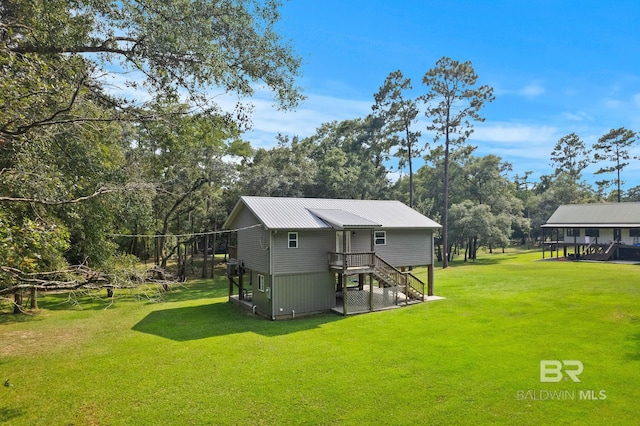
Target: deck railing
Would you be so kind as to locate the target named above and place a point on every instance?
(408, 283)
(352, 260)
(406, 280)
(394, 286)
(390, 273)
(417, 284)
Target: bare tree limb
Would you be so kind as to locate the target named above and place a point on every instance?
(81, 277)
(97, 193)
(100, 191)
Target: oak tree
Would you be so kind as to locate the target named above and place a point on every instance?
(55, 52)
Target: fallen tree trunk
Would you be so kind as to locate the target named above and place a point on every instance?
(75, 278)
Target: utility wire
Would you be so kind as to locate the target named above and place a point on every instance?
(193, 234)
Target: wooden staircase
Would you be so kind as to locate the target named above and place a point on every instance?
(389, 276)
(599, 252)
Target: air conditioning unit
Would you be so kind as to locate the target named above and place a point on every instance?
(232, 269)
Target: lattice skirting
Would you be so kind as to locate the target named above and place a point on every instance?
(360, 300)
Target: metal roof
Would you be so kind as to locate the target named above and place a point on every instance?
(341, 219)
(320, 213)
(604, 215)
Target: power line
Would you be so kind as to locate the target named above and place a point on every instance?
(192, 234)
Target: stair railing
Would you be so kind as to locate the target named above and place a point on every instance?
(405, 280)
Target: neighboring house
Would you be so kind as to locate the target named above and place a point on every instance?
(296, 256)
(595, 231)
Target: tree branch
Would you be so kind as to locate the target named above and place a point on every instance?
(57, 202)
(104, 47)
(100, 191)
(80, 276)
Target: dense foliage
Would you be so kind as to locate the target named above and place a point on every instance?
(87, 173)
(109, 125)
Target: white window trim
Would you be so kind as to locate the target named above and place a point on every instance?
(383, 237)
(289, 240)
(260, 282)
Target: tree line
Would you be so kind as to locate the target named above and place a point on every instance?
(109, 126)
(94, 181)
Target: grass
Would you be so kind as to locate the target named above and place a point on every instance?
(196, 359)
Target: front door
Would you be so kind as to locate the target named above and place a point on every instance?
(617, 234)
(343, 245)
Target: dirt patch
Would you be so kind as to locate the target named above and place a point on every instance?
(623, 317)
(21, 342)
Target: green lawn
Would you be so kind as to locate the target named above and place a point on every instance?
(196, 359)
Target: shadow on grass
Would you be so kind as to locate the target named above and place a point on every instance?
(95, 300)
(221, 319)
(11, 318)
(7, 414)
(79, 301)
(635, 354)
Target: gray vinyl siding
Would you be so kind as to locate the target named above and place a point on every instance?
(361, 241)
(259, 298)
(303, 293)
(310, 256)
(407, 247)
(253, 243)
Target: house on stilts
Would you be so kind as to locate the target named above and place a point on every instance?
(296, 256)
(605, 231)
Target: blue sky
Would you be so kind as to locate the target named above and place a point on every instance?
(556, 67)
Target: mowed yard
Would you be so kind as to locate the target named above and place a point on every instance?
(473, 358)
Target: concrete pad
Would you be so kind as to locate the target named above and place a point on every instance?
(433, 298)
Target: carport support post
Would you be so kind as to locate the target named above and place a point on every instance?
(430, 280)
(344, 293)
(344, 270)
(373, 265)
(370, 291)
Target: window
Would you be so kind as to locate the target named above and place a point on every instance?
(592, 232)
(634, 232)
(380, 238)
(573, 232)
(293, 240)
(260, 282)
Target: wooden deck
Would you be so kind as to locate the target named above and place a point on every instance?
(581, 250)
(352, 263)
(401, 300)
(600, 251)
(353, 270)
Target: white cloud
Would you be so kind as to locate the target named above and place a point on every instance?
(311, 114)
(267, 120)
(531, 90)
(509, 132)
(316, 110)
(577, 116)
(526, 146)
(613, 103)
